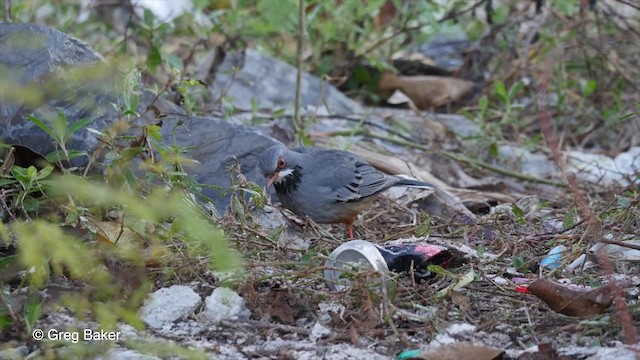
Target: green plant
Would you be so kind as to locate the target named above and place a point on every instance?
(31, 182)
(61, 131)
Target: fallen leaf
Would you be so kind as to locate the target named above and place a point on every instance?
(425, 91)
(386, 14)
(113, 232)
(282, 306)
(570, 301)
(462, 301)
(463, 281)
(460, 351)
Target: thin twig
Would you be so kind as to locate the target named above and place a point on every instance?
(629, 3)
(7, 11)
(297, 121)
(620, 243)
(5, 206)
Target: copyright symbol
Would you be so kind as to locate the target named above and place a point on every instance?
(37, 334)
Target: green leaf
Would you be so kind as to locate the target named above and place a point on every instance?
(174, 62)
(305, 139)
(493, 150)
(31, 204)
(515, 89)
(42, 126)
(32, 312)
(20, 174)
(588, 87)
(60, 126)
(624, 202)
(518, 263)
(72, 154)
(80, 124)
(153, 131)
(32, 172)
(465, 280)
(277, 114)
(5, 182)
(46, 171)
(164, 28)
(437, 269)
(501, 91)
(626, 116)
(8, 260)
(148, 18)
(569, 218)
(424, 230)
(484, 105)
(518, 213)
(154, 59)
(275, 234)
(480, 250)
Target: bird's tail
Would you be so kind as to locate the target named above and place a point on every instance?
(411, 182)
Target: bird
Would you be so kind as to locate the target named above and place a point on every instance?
(326, 185)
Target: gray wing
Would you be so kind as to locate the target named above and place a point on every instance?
(346, 175)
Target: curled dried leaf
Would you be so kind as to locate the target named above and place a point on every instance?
(570, 301)
(460, 351)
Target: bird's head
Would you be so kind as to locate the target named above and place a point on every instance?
(277, 164)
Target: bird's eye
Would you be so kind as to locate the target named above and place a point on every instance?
(281, 163)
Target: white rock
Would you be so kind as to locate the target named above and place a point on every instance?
(125, 354)
(167, 305)
(228, 352)
(328, 307)
(346, 351)
(271, 218)
(527, 162)
(19, 352)
(224, 303)
(619, 352)
(318, 331)
(603, 169)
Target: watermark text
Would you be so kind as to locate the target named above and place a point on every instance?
(75, 336)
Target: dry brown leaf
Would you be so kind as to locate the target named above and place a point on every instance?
(461, 351)
(112, 232)
(386, 14)
(425, 91)
(282, 307)
(463, 302)
(572, 302)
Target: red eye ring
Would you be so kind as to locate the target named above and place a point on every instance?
(281, 163)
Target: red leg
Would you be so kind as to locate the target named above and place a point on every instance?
(350, 230)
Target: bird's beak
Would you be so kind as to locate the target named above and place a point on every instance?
(271, 179)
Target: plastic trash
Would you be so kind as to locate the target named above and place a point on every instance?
(554, 257)
(364, 255)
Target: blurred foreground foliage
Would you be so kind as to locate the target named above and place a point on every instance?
(96, 239)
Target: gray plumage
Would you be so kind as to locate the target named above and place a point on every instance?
(328, 186)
